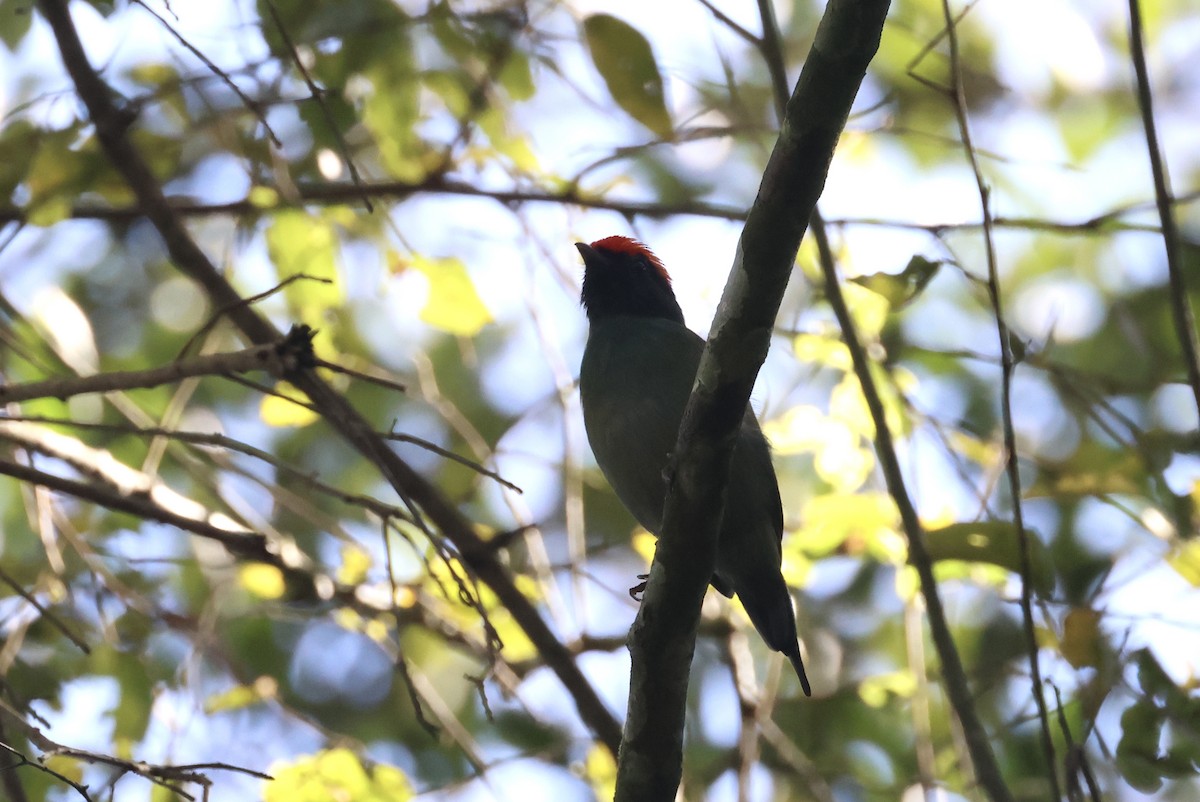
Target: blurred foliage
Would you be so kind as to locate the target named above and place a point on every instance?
(489, 136)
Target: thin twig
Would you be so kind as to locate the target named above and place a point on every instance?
(216, 317)
(213, 440)
(81, 789)
(450, 455)
(370, 378)
(46, 614)
(978, 742)
(318, 94)
(729, 23)
(1181, 307)
(1007, 367)
(254, 106)
(274, 359)
(242, 543)
(332, 193)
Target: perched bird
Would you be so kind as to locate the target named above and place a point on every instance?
(637, 373)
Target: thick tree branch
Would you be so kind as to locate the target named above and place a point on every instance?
(111, 128)
(663, 637)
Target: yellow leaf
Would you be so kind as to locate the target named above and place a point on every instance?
(827, 351)
(263, 197)
(355, 563)
(841, 458)
(376, 630)
(1186, 561)
(264, 581)
(49, 212)
(336, 774)
(600, 768)
(68, 767)
(277, 411)
(644, 544)
(875, 690)
(453, 305)
(850, 523)
(242, 696)
(869, 310)
(1081, 637)
(304, 244)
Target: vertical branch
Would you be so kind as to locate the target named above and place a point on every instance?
(1007, 367)
(952, 670)
(663, 638)
(1181, 308)
(955, 678)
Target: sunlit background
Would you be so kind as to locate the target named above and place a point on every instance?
(472, 302)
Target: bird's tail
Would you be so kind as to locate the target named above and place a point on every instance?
(769, 606)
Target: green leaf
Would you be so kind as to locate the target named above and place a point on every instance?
(453, 304)
(901, 288)
(1137, 751)
(516, 77)
(994, 543)
(14, 23)
(626, 63)
(303, 244)
(1186, 562)
(336, 774)
(391, 114)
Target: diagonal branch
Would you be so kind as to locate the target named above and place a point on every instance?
(277, 359)
(953, 674)
(663, 637)
(1185, 321)
(111, 129)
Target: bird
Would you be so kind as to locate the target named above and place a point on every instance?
(637, 372)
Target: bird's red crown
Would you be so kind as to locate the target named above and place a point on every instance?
(630, 246)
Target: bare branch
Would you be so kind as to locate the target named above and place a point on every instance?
(1185, 321)
(238, 542)
(336, 193)
(318, 95)
(252, 105)
(37, 605)
(278, 359)
(955, 678)
(1007, 368)
(417, 493)
(663, 637)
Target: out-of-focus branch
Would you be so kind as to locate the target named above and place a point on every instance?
(663, 637)
(337, 193)
(955, 678)
(170, 777)
(1007, 368)
(277, 359)
(244, 544)
(1185, 321)
(111, 130)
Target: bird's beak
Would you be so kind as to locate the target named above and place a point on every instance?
(587, 252)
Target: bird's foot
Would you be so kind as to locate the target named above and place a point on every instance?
(636, 591)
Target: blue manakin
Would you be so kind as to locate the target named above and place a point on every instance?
(637, 374)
